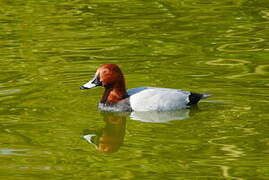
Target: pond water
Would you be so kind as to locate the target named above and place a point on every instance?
(50, 129)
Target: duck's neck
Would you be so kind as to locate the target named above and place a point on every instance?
(114, 94)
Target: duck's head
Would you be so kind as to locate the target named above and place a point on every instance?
(108, 76)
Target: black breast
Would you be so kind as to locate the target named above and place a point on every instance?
(122, 106)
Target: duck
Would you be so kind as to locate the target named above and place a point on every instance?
(117, 99)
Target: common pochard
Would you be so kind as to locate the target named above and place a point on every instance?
(116, 98)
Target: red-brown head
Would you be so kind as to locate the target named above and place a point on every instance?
(110, 77)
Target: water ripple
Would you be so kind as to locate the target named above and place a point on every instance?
(232, 151)
(265, 14)
(243, 34)
(10, 91)
(13, 152)
(228, 62)
(259, 70)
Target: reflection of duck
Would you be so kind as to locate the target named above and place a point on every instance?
(110, 138)
(159, 117)
(116, 98)
(163, 116)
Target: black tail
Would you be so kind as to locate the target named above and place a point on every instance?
(194, 98)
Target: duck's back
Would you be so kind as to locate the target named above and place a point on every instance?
(157, 99)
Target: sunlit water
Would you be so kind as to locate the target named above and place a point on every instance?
(50, 129)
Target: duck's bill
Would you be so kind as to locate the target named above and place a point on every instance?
(88, 85)
(92, 83)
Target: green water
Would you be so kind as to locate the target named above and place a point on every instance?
(49, 48)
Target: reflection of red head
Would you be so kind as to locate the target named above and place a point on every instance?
(113, 134)
(109, 144)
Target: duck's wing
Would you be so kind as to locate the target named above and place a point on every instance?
(133, 91)
(139, 89)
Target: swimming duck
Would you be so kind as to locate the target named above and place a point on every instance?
(116, 98)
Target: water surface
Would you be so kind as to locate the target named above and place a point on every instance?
(49, 48)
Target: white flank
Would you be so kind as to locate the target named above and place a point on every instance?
(159, 99)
